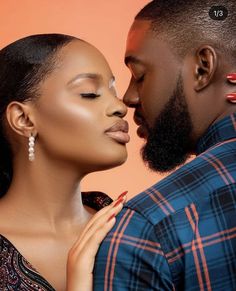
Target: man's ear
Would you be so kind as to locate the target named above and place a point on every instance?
(20, 118)
(205, 66)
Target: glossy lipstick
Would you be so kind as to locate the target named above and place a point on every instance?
(119, 132)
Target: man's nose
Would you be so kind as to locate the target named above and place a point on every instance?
(131, 98)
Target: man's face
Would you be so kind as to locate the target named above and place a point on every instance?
(157, 94)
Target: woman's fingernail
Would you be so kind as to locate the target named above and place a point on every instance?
(231, 97)
(119, 201)
(111, 217)
(231, 77)
(122, 194)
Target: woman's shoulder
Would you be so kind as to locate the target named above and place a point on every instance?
(96, 199)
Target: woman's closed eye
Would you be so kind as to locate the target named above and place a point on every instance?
(89, 95)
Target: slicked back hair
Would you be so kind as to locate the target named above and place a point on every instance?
(24, 64)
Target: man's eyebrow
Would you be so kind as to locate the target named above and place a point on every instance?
(131, 59)
(92, 76)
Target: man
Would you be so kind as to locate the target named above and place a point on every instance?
(179, 234)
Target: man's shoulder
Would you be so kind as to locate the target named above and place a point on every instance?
(191, 183)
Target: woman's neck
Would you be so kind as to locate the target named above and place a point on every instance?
(47, 193)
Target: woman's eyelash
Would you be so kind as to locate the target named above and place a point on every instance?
(90, 95)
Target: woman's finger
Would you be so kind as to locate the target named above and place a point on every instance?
(103, 212)
(83, 255)
(80, 263)
(96, 224)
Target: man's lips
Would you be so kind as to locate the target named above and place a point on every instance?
(138, 119)
(142, 129)
(119, 131)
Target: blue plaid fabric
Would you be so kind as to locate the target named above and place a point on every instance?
(179, 234)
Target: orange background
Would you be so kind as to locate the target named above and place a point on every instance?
(104, 23)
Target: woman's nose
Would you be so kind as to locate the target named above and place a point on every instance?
(117, 108)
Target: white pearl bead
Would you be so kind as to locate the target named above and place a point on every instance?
(31, 150)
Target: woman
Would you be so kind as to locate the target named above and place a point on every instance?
(60, 120)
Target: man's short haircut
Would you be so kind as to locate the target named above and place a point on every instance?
(185, 24)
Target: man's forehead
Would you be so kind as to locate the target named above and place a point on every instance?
(138, 32)
(137, 37)
(141, 42)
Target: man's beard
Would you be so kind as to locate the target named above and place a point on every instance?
(169, 141)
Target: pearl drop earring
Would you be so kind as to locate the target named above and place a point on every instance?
(31, 148)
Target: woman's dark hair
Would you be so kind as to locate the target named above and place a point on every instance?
(23, 65)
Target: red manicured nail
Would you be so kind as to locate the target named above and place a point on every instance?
(231, 96)
(111, 217)
(231, 76)
(118, 202)
(122, 194)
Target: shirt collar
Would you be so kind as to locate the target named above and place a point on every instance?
(219, 131)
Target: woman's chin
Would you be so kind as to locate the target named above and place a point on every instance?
(118, 162)
(113, 162)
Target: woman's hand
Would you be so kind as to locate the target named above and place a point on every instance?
(81, 256)
(232, 96)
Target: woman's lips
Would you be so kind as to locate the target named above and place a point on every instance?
(119, 136)
(119, 132)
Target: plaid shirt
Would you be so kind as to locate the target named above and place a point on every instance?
(179, 234)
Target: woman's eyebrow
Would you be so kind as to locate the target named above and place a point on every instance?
(93, 76)
(112, 82)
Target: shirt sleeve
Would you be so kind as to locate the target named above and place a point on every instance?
(131, 258)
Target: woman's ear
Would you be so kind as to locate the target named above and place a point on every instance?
(205, 66)
(20, 118)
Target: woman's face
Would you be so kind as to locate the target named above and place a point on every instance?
(78, 116)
